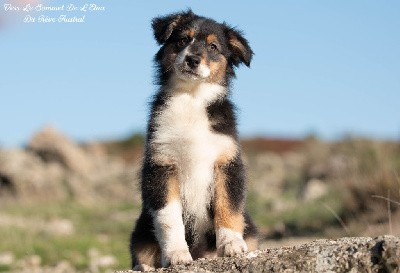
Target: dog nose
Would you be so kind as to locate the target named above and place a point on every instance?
(193, 61)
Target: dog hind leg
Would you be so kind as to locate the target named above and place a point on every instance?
(145, 251)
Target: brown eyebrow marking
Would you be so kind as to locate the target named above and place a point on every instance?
(212, 38)
(190, 32)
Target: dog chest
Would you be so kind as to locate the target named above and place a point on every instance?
(184, 137)
(183, 132)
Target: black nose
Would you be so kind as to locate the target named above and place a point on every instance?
(192, 61)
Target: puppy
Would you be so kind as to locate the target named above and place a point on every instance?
(193, 179)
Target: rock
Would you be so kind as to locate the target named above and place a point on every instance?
(98, 261)
(314, 189)
(61, 267)
(33, 261)
(52, 146)
(55, 168)
(61, 227)
(27, 177)
(358, 254)
(6, 258)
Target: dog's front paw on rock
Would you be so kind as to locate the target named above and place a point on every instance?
(232, 248)
(177, 257)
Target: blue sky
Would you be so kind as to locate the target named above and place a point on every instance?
(325, 67)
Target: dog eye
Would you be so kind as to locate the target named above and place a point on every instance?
(213, 47)
(183, 41)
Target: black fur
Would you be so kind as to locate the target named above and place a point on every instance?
(167, 32)
(222, 117)
(236, 183)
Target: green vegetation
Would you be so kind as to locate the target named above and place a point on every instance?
(105, 229)
(300, 218)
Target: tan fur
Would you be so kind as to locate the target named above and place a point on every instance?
(203, 59)
(148, 254)
(218, 70)
(225, 216)
(237, 45)
(252, 243)
(190, 32)
(173, 188)
(212, 38)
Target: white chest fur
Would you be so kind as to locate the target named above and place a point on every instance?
(184, 137)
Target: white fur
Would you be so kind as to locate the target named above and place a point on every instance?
(170, 233)
(184, 138)
(203, 70)
(229, 242)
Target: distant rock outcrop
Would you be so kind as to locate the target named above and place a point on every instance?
(53, 167)
(357, 254)
(52, 146)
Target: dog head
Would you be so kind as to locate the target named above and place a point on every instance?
(198, 49)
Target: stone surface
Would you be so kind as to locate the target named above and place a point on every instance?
(357, 254)
(52, 146)
(53, 167)
(314, 189)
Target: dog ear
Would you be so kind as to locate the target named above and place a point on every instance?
(241, 51)
(165, 25)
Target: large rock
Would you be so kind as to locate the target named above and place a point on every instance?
(24, 175)
(359, 254)
(52, 146)
(53, 167)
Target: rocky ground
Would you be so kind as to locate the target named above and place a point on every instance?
(357, 254)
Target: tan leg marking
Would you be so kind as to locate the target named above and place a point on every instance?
(173, 187)
(148, 255)
(224, 215)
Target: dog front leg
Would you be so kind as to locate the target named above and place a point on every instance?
(229, 203)
(169, 227)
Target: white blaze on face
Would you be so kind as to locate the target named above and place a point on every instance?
(202, 70)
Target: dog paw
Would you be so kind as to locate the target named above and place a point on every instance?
(177, 257)
(232, 248)
(143, 267)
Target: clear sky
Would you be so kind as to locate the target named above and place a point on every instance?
(325, 67)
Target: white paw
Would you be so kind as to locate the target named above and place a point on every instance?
(176, 257)
(143, 267)
(232, 248)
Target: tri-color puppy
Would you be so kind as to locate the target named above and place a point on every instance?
(193, 179)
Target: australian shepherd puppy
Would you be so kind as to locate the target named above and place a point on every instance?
(193, 179)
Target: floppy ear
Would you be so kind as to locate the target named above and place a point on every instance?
(241, 51)
(165, 25)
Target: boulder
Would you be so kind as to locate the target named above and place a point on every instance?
(357, 254)
(24, 175)
(52, 146)
(314, 190)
